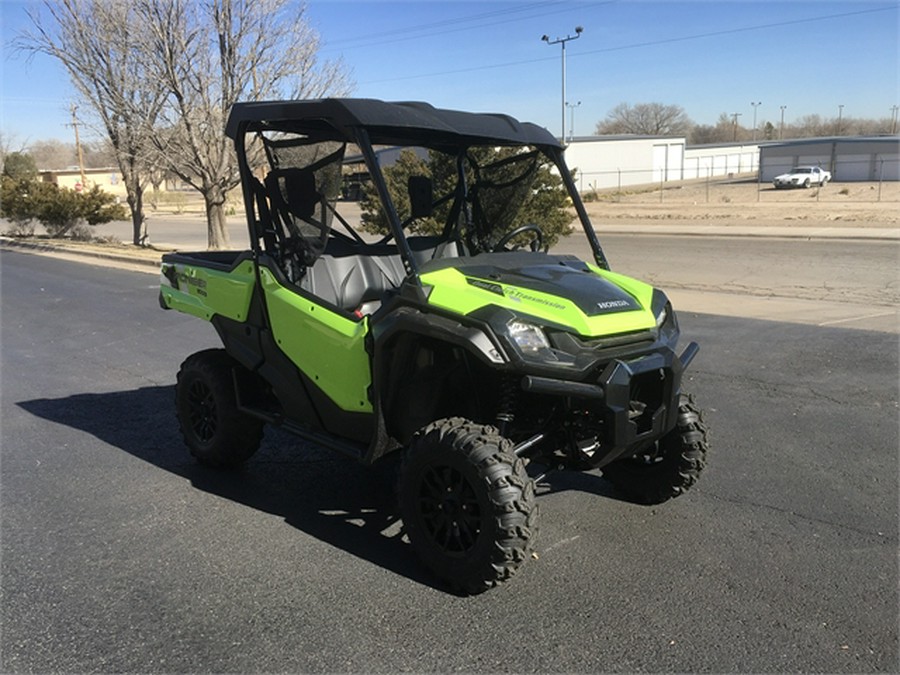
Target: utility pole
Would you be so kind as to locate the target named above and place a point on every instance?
(734, 117)
(563, 41)
(894, 110)
(755, 106)
(840, 117)
(781, 128)
(78, 148)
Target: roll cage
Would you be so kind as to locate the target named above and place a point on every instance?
(290, 154)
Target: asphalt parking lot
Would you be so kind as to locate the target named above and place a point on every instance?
(121, 554)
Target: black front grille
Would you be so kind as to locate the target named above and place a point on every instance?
(630, 343)
(646, 394)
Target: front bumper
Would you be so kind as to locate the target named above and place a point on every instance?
(642, 399)
(635, 401)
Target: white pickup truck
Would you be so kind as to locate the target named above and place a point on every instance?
(802, 176)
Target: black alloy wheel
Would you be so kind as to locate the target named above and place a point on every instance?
(468, 506)
(215, 430)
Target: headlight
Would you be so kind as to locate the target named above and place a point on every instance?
(662, 316)
(530, 340)
(666, 321)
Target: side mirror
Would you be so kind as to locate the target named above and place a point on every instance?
(421, 196)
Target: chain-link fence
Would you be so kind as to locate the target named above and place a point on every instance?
(853, 181)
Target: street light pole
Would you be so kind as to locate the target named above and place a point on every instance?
(781, 128)
(755, 106)
(563, 41)
(571, 107)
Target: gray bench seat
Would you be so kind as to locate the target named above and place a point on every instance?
(356, 276)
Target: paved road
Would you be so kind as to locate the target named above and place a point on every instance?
(855, 282)
(120, 554)
(824, 282)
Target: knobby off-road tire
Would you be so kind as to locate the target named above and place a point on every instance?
(214, 430)
(672, 466)
(468, 506)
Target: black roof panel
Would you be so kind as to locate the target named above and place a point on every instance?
(387, 123)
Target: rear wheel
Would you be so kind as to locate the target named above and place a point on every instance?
(216, 432)
(672, 466)
(468, 506)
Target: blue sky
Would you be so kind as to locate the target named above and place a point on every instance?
(709, 57)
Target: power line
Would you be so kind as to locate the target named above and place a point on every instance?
(636, 45)
(405, 31)
(731, 31)
(376, 40)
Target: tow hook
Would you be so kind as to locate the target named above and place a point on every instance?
(688, 354)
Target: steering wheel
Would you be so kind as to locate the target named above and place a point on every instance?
(536, 243)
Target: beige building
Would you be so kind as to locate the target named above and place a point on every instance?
(108, 179)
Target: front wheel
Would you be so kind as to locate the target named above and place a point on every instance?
(468, 506)
(215, 431)
(673, 463)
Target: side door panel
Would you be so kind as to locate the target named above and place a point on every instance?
(327, 347)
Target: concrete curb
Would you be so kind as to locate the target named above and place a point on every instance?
(52, 247)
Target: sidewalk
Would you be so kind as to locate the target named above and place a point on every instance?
(687, 228)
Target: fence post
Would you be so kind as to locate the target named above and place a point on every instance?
(880, 177)
(662, 180)
(708, 177)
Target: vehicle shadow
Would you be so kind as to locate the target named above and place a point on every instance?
(589, 482)
(319, 492)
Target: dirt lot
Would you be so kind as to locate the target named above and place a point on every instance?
(749, 203)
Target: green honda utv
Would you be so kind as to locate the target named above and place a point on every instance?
(453, 337)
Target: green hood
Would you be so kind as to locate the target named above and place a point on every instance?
(557, 290)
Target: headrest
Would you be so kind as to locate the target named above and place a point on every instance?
(297, 188)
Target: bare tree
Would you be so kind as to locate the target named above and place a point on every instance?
(725, 130)
(809, 126)
(8, 145)
(653, 119)
(210, 54)
(94, 40)
(53, 154)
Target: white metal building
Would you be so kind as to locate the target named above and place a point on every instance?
(720, 159)
(618, 161)
(604, 162)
